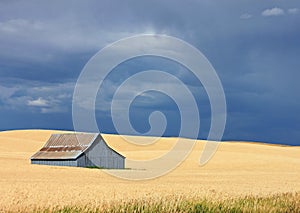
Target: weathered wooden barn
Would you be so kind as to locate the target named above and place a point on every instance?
(78, 149)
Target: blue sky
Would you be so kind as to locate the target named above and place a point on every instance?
(254, 47)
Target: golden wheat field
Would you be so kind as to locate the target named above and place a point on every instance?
(237, 169)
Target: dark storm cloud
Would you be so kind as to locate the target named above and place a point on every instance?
(253, 45)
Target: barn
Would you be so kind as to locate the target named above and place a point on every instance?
(80, 150)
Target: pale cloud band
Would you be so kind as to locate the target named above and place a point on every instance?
(273, 12)
(293, 11)
(276, 11)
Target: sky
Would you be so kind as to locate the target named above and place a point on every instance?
(253, 45)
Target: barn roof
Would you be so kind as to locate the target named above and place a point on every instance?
(66, 146)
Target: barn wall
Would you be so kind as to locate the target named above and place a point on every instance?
(55, 162)
(84, 161)
(101, 155)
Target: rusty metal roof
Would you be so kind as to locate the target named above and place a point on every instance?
(65, 146)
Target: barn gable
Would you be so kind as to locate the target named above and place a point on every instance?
(78, 149)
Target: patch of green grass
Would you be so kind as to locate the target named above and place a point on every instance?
(289, 202)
